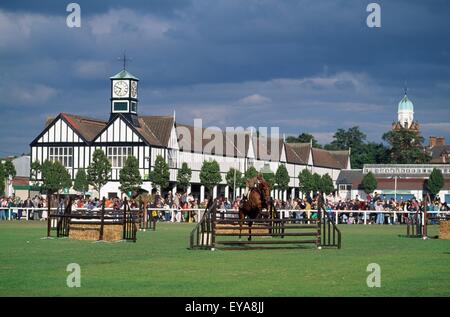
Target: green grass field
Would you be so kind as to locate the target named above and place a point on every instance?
(160, 264)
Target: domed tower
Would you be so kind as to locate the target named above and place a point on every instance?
(405, 115)
(405, 112)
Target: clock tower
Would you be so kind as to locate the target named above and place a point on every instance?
(124, 96)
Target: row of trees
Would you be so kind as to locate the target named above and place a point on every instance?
(55, 176)
(404, 146)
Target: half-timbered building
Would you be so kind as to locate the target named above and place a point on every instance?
(71, 139)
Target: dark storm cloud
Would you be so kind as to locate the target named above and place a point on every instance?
(306, 65)
(89, 7)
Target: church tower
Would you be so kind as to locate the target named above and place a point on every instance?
(405, 115)
(124, 96)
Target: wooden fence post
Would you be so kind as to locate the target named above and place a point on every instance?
(213, 226)
(102, 223)
(125, 218)
(319, 219)
(48, 216)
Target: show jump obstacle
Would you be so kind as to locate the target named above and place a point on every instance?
(94, 225)
(417, 223)
(222, 230)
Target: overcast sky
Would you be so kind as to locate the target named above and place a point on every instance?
(302, 65)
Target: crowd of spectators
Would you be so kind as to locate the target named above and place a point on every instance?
(186, 207)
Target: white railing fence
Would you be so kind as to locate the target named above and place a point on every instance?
(7, 213)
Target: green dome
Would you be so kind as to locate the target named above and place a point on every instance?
(124, 75)
(405, 105)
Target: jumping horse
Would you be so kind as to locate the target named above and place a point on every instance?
(254, 202)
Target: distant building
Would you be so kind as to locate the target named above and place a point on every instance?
(401, 181)
(438, 150)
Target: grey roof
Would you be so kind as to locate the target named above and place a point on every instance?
(124, 74)
(437, 151)
(350, 177)
(330, 159)
(298, 153)
(156, 131)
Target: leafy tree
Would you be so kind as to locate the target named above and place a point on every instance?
(405, 147)
(316, 183)
(282, 178)
(269, 177)
(99, 170)
(210, 174)
(130, 177)
(35, 168)
(250, 173)
(230, 178)
(305, 181)
(435, 182)
(326, 184)
(160, 175)
(369, 183)
(10, 170)
(81, 183)
(370, 153)
(2, 179)
(361, 152)
(345, 139)
(304, 138)
(7, 170)
(184, 177)
(55, 177)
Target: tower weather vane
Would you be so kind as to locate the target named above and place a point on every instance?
(124, 59)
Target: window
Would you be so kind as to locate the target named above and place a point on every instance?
(133, 107)
(172, 158)
(345, 187)
(117, 155)
(120, 106)
(64, 155)
(251, 162)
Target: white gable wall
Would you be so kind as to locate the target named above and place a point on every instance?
(60, 132)
(118, 131)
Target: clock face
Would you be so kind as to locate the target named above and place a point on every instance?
(133, 89)
(120, 88)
